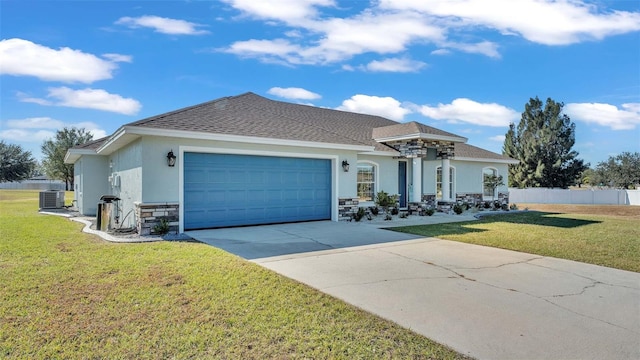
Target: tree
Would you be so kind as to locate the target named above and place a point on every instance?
(621, 171)
(54, 152)
(492, 182)
(15, 163)
(542, 142)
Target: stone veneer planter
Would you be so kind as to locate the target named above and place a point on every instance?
(347, 208)
(150, 215)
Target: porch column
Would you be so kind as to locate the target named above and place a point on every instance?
(445, 180)
(416, 196)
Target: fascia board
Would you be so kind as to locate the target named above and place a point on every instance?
(379, 153)
(243, 139)
(423, 136)
(73, 155)
(501, 161)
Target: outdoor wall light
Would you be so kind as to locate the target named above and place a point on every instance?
(171, 159)
(345, 166)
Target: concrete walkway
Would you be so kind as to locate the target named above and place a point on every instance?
(484, 302)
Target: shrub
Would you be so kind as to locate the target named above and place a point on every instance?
(513, 207)
(374, 210)
(395, 211)
(385, 200)
(487, 204)
(458, 209)
(359, 214)
(162, 227)
(505, 207)
(403, 215)
(429, 211)
(388, 217)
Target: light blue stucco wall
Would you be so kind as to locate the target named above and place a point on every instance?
(138, 172)
(160, 182)
(468, 175)
(90, 182)
(386, 177)
(125, 175)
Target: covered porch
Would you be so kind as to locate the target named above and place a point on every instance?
(417, 142)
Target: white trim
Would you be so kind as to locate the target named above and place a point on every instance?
(391, 153)
(376, 177)
(498, 161)
(135, 132)
(422, 136)
(209, 150)
(453, 182)
(73, 155)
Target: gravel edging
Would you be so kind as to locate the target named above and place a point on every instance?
(125, 238)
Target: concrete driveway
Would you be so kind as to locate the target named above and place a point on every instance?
(484, 302)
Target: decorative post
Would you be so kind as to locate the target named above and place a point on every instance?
(417, 179)
(445, 179)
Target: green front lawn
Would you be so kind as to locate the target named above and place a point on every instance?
(612, 241)
(66, 294)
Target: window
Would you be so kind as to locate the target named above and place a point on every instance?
(452, 172)
(488, 191)
(366, 181)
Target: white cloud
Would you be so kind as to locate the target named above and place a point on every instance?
(607, 115)
(35, 123)
(486, 48)
(395, 65)
(162, 25)
(288, 11)
(267, 50)
(472, 112)
(386, 33)
(335, 39)
(23, 135)
(387, 107)
(118, 57)
(546, 22)
(38, 129)
(498, 138)
(441, 52)
(87, 99)
(393, 26)
(20, 57)
(293, 93)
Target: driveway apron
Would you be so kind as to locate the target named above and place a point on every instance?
(484, 302)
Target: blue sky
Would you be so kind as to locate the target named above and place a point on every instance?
(463, 66)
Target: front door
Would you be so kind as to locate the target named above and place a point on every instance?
(402, 183)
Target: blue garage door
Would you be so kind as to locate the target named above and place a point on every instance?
(223, 190)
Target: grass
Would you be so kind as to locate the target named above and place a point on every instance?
(601, 235)
(67, 294)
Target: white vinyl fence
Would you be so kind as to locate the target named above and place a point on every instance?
(34, 185)
(565, 196)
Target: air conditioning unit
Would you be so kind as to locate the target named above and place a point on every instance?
(51, 199)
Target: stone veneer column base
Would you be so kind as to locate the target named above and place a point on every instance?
(150, 215)
(347, 208)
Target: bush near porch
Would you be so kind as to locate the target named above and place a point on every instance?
(69, 295)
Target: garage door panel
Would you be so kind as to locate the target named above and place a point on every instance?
(230, 190)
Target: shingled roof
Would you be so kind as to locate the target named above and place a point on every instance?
(411, 128)
(466, 151)
(252, 115)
